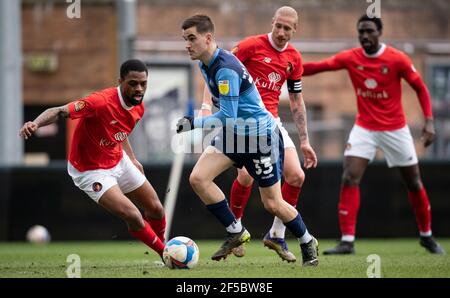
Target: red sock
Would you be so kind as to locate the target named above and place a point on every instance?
(239, 197)
(348, 209)
(159, 226)
(290, 193)
(421, 205)
(148, 236)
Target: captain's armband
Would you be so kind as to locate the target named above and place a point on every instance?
(294, 86)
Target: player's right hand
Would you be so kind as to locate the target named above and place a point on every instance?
(309, 155)
(185, 124)
(28, 129)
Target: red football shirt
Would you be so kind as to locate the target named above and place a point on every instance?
(377, 83)
(105, 123)
(269, 67)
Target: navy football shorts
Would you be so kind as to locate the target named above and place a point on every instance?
(262, 156)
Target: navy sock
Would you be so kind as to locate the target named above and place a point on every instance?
(296, 226)
(222, 212)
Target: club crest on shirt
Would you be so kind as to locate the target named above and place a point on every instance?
(371, 83)
(348, 147)
(384, 69)
(224, 87)
(97, 186)
(289, 67)
(79, 105)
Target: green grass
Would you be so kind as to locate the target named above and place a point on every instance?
(399, 258)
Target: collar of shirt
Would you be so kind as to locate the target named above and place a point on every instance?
(122, 102)
(216, 53)
(378, 53)
(269, 35)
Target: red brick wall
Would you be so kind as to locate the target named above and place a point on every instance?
(86, 50)
(319, 19)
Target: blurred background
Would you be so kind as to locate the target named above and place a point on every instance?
(53, 52)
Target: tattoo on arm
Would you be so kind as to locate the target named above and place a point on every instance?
(299, 114)
(51, 115)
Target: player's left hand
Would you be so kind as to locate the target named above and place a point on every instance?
(309, 155)
(428, 133)
(138, 165)
(185, 124)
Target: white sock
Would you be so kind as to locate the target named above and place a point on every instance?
(278, 228)
(235, 227)
(425, 234)
(305, 238)
(348, 238)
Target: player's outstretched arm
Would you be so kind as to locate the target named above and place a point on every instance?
(336, 62)
(299, 114)
(311, 68)
(47, 117)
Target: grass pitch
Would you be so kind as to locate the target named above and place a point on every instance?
(399, 258)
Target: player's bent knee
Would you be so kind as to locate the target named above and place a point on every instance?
(295, 179)
(245, 179)
(197, 181)
(271, 206)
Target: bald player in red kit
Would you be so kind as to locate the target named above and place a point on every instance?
(101, 161)
(376, 71)
(271, 61)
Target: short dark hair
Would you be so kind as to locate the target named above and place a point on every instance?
(202, 23)
(132, 65)
(375, 20)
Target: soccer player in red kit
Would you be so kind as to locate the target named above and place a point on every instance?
(101, 160)
(271, 61)
(376, 70)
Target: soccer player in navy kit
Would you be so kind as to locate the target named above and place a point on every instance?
(272, 61)
(249, 138)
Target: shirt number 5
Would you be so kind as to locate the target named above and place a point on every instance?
(263, 166)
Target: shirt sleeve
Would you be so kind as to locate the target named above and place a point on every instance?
(244, 49)
(297, 68)
(228, 82)
(86, 107)
(335, 62)
(410, 74)
(294, 80)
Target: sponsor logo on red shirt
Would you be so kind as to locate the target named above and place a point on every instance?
(273, 77)
(120, 136)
